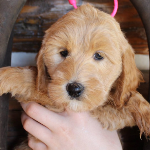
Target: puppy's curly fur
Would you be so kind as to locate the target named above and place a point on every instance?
(110, 82)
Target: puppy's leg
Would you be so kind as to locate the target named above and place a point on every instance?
(112, 118)
(140, 111)
(17, 81)
(135, 112)
(21, 83)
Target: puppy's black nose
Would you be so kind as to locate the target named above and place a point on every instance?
(74, 89)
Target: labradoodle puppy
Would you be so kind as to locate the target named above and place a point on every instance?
(85, 64)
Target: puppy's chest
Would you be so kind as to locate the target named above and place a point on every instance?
(113, 119)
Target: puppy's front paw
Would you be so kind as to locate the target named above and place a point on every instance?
(5, 75)
(140, 110)
(17, 80)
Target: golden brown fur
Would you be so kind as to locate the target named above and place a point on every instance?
(110, 84)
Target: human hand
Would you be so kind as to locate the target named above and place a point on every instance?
(67, 130)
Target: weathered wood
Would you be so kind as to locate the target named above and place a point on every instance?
(7, 20)
(37, 16)
(137, 38)
(5, 61)
(24, 43)
(15, 130)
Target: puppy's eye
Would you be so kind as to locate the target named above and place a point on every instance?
(64, 53)
(97, 56)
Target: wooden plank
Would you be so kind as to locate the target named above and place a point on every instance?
(137, 38)
(15, 130)
(37, 16)
(127, 15)
(26, 42)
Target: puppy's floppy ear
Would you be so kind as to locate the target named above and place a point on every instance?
(125, 95)
(129, 78)
(41, 81)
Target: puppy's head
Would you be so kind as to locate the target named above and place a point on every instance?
(83, 57)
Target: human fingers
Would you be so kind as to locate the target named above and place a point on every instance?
(41, 114)
(36, 129)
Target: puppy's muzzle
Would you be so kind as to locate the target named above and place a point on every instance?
(74, 89)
